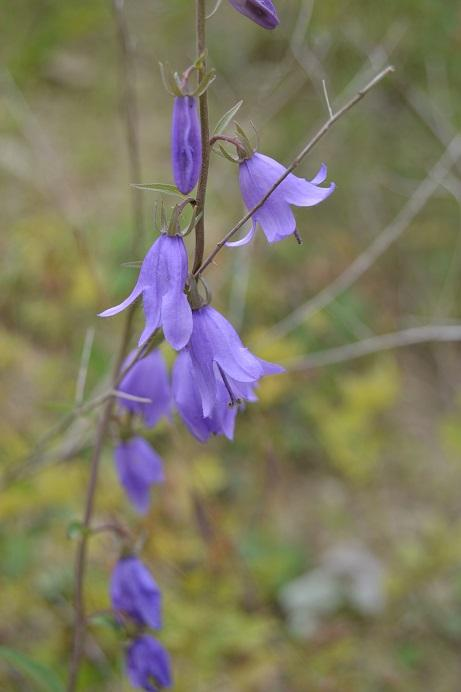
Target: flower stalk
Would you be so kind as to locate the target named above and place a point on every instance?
(200, 27)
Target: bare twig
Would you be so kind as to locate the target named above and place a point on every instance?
(295, 163)
(327, 100)
(375, 344)
(84, 363)
(383, 241)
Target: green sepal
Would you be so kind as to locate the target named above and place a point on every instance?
(226, 155)
(246, 144)
(223, 122)
(169, 80)
(205, 83)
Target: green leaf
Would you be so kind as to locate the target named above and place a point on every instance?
(41, 675)
(226, 119)
(160, 187)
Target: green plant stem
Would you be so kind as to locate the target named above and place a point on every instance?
(205, 135)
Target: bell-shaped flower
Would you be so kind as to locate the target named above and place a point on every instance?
(186, 144)
(257, 175)
(220, 421)
(138, 467)
(262, 12)
(161, 283)
(217, 356)
(147, 379)
(148, 664)
(135, 594)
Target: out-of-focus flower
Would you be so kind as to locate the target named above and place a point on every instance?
(186, 143)
(138, 467)
(221, 420)
(257, 175)
(148, 664)
(135, 594)
(217, 356)
(161, 283)
(262, 12)
(147, 379)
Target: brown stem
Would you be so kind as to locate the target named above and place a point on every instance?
(205, 134)
(130, 117)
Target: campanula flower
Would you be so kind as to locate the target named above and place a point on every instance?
(221, 420)
(138, 467)
(161, 283)
(262, 12)
(148, 664)
(186, 144)
(257, 175)
(135, 594)
(147, 379)
(217, 356)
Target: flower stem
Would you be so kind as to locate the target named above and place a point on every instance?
(205, 135)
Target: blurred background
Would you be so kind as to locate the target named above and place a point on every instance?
(322, 549)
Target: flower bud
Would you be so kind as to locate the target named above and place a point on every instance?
(262, 12)
(186, 145)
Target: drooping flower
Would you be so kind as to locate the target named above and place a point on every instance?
(262, 12)
(135, 594)
(186, 143)
(257, 175)
(161, 283)
(138, 467)
(147, 379)
(148, 664)
(221, 420)
(217, 356)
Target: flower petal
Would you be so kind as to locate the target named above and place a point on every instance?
(176, 311)
(145, 279)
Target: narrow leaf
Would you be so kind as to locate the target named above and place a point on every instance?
(45, 678)
(159, 187)
(226, 119)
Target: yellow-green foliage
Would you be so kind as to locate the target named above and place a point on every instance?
(350, 422)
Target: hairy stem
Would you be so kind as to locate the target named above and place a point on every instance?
(205, 134)
(294, 164)
(130, 118)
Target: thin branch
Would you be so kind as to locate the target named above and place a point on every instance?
(327, 100)
(84, 363)
(382, 242)
(295, 163)
(205, 135)
(375, 344)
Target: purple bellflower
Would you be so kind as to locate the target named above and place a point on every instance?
(257, 175)
(221, 420)
(217, 356)
(148, 664)
(262, 12)
(138, 467)
(161, 283)
(186, 144)
(135, 594)
(148, 379)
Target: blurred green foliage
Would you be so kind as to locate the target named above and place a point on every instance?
(366, 450)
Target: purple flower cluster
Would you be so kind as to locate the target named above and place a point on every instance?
(214, 374)
(136, 597)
